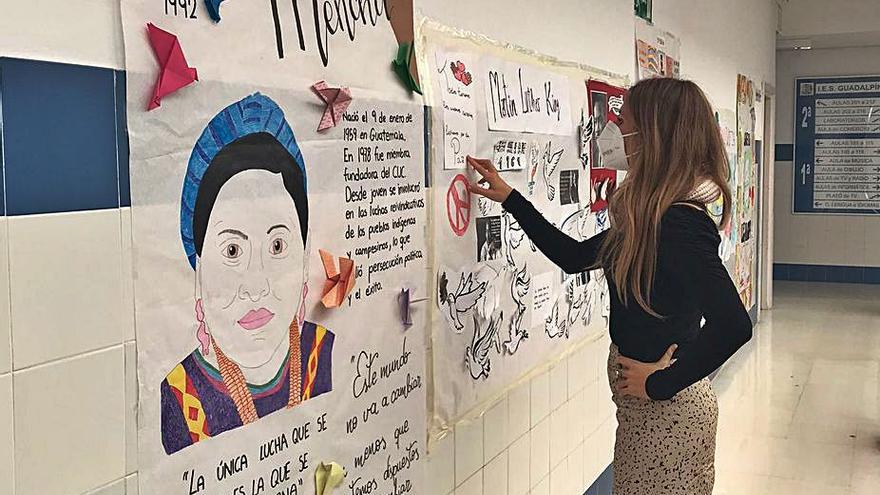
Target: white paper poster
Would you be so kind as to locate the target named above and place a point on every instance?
(459, 107)
(501, 307)
(271, 258)
(510, 154)
(658, 52)
(525, 98)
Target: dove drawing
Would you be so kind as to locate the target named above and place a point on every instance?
(551, 162)
(462, 300)
(476, 355)
(519, 288)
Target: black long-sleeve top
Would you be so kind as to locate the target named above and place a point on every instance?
(690, 283)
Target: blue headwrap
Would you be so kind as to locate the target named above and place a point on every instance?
(253, 114)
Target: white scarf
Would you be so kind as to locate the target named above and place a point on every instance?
(705, 192)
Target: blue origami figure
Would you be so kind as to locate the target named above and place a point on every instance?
(213, 7)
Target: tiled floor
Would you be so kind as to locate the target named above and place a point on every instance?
(800, 406)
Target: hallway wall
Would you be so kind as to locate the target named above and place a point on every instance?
(68, 384)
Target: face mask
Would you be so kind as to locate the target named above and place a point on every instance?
(610, 143)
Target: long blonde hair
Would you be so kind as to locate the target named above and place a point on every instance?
(679, 145)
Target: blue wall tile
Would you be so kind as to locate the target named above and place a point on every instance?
(872, 275)
(603, 484)
(122, 141)
(2, 184)
(780, 271)
(826, 273)
(60, 137)
(817, 273)
(837, 274)
(800, 273)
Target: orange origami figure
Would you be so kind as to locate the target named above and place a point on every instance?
(340, 279)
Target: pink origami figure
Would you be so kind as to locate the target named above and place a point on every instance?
(174, 73)
(336, 100)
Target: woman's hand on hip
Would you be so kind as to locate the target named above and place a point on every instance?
(496, 188)
(632, 375)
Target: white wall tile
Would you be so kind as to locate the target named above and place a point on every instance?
(468, 449)
(495, 430)
(590, 412)
(518, 460)
(471, 486)
(115, 488)
(131, 408)
(606, 441)
(559, 478)
(540, 398)
(441, 466)
(600, 351)
(42, 31)
(590, 356)
(495, 476)
(542, 487)
(131, 484)
(539, 462)
(559, 432)
(558, 385)
(577, 413)
(7, 456)
(592, 465)
(518, 407)
(70, 421)
(577, 376)
(576, 469)
(66, 284)
(5, 328)
(127, 274)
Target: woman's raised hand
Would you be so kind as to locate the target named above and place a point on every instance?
(496, 189)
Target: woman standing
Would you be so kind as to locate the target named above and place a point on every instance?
(664, 274)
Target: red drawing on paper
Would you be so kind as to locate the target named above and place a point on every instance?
(458, 205)
(603, 182)
(460, 72)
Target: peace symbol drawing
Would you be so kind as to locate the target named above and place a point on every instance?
(458, 205)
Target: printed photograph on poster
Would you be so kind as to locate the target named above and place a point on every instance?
(657, 52)
(510, 155)
(605, 103)
(568, 187)
(599, 106)
(488, 238)
(526, 98)
(459, 107)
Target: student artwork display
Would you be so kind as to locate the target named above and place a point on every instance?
(746, 185)
(729, 236)
(657, 51)
(502, 308)
(278, 214)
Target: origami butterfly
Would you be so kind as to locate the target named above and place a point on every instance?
(460, 73)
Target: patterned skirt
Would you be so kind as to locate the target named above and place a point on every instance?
(665, 447)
